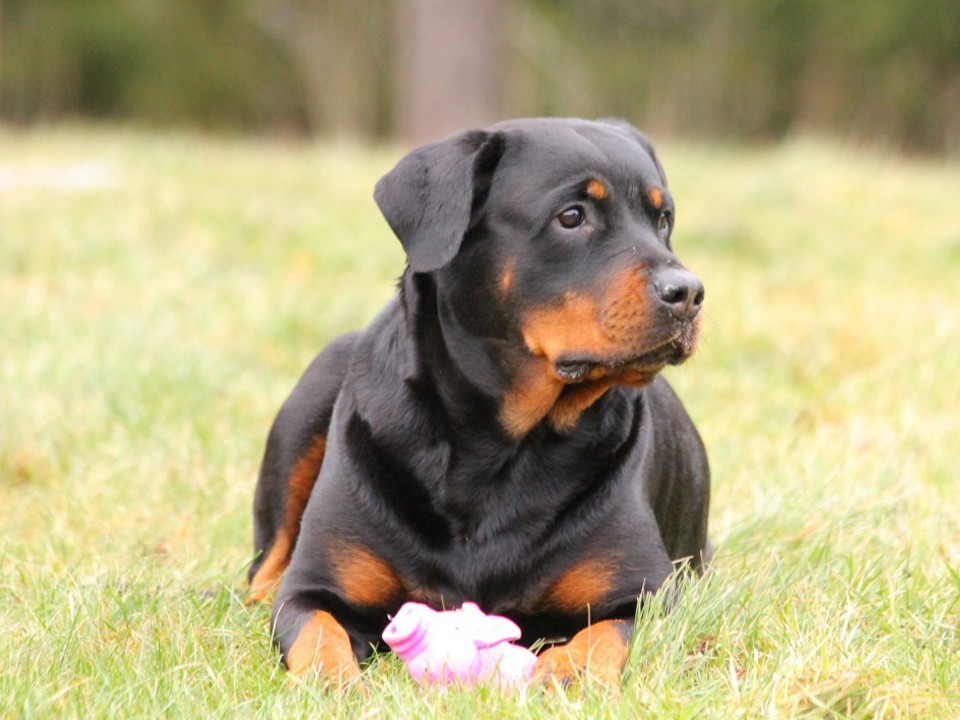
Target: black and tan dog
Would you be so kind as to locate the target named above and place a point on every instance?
(499, 433)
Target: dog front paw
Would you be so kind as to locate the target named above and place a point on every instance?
(597, 653)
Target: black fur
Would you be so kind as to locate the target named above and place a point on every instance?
(423, 471)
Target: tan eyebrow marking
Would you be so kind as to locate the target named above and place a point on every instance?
(596, 190)
(655, 196)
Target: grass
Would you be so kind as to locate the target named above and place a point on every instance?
(153, 317)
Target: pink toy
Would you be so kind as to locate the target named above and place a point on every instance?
(464, 645)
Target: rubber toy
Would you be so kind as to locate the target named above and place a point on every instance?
(459, 646)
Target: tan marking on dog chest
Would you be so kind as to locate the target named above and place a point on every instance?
(586, 583)
(534, 392)
(574, 400)
(364, 578)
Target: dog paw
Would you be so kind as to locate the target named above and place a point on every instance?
(323, 648)
(597, 653)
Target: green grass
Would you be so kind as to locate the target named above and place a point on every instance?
(150, 327)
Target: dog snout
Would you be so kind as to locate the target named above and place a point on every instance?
(680, 291)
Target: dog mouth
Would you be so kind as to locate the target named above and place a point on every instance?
(639, 369)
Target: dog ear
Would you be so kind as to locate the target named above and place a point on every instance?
(437, 193)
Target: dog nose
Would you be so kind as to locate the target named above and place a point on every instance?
(680, 290)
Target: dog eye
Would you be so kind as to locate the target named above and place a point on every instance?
(663, 226)
(572, 217)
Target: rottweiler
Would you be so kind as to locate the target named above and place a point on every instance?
(500, 433)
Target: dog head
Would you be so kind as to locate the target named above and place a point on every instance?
(550, 240)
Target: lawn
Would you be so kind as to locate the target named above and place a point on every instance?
(160, 294)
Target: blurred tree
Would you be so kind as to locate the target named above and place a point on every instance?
(205, 62)
(886, 70)
(342, 54)
(448, 73)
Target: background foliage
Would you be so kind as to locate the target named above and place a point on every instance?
(883, 70)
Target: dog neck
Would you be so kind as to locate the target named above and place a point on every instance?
(462, 378)
(485, 383)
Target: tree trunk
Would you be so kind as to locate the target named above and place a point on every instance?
(448, 74)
